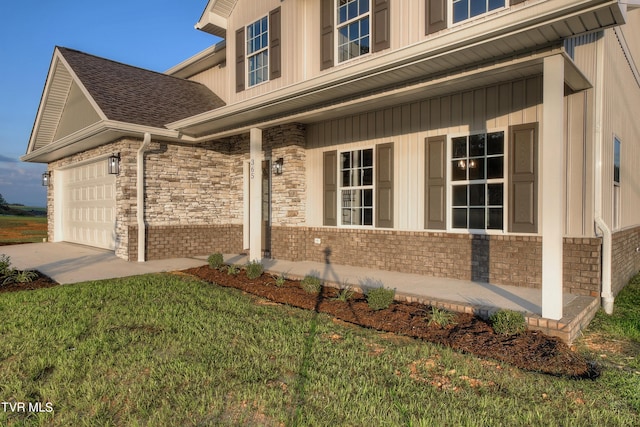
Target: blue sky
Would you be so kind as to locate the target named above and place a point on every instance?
(152, 34)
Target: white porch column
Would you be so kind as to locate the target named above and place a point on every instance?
(255, 195)
(552, 185)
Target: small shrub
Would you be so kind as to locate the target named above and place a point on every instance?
(380, 298)
(254, 270)
(5, 265)
(311, 284)
(508, 322)
(441, 317)
(345, 294)
(215, 260)
(233, 270)
(279, 280)
(26, 276)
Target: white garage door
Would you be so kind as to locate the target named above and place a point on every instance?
(89, 213)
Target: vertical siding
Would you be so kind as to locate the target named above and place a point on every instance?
(407, 125)
(293, 39)
(216, 79)
(621, 106)
(579, 161)
(78, 113)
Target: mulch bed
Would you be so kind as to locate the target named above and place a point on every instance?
(531, 351)
(40, 282)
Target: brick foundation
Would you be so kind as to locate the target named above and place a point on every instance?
(625, 257)
(504, 260)
(177, 241)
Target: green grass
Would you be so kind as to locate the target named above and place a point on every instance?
(170, 350)
(624, 323)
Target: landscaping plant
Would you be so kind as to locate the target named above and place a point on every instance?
(441, 317)
(254, 270)
(311, 284)
(280, 279)
(508, 322)
(233, 270)
(380, 298)
(345, 294)
(215, 260)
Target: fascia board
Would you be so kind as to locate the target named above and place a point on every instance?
(114, 128)
(207, 58)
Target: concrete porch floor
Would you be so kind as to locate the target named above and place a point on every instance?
(69, 263)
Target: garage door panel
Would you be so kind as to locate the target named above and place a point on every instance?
(89, 206)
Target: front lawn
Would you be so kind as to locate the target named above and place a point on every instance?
(171, 350)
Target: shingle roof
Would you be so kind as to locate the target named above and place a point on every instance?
(135, 95)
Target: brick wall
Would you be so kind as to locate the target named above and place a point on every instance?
(625, 258)
(506, 260)
(582, 266)
(178, 241)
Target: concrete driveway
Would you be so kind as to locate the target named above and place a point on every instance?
(68, 263)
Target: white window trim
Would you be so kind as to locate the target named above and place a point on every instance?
(616, 190)
(482, 15)
(336, 26)
(504, 180)
(340, 188)
(248, 55)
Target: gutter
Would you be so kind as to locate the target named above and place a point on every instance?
(142, 232)
(606, 292)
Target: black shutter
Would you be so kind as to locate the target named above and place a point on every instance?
(381, 25)
(435, 210)
(384, 185)
(523, 179)
(326, 33)
(330, 188)
(275, 57)
(240, 71)
(436, 15)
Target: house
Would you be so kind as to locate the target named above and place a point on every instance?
(494, 141)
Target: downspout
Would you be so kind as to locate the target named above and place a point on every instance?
(606, 293)
(142, 232)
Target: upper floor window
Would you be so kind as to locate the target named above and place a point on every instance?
(354, 28)
(465, 9)
(258, 52)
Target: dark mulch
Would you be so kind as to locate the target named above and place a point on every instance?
(532, 350)
(40, 282)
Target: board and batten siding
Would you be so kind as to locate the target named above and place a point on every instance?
(291, 50)
(620, 111)
(490, 108)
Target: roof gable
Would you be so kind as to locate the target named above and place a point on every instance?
(134, 95)
(83, 90)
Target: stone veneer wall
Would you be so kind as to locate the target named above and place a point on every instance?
(506, 260)
(194, 194)
(625, 257)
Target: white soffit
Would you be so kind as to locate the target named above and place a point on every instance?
(214, 18)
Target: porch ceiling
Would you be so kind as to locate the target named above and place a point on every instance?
(486, 53)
